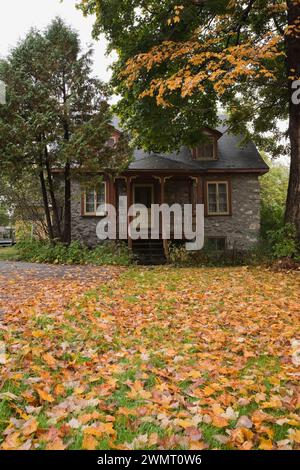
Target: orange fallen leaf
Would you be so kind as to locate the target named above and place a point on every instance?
(45, 395)
(49, 359)
(219, 421)
(200, 445)
(208, 391)
(11, 442)
(240, 435)
(89, 442)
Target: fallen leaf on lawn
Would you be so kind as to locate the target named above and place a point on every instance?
(11, 442)
(89, 442)
(265, 444)
(198, 446)
(244, 422)
(20, 412)
(30, 427)
(26, 445)
(275, 402)
(194, 374)
(83, 419)
(208, 391)
(294, 435)
(230, 414)
(221, 438)
(193, 433)
(56, 444)
(49, 359)
(153, 439)
(99, 429)
(74, 423)
(59, 390)
(45, 395)
(258, 417)
(219, 422)
(184, 423)
(240, 435)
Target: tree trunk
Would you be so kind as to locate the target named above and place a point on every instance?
(53, 198)
(46, 205)
(67, 172)
(292, 214)
(67, 213)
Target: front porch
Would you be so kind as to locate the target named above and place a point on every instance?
(157, 189)
(148, 189)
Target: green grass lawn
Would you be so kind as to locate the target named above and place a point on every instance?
(158, 358)
(9, 253)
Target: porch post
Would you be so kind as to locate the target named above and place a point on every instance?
(198, 197)
(112, 191)
(162, 201)
(162, 190)
(199, 190)
(108, 189)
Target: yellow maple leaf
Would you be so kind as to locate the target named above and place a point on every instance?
(265, 444)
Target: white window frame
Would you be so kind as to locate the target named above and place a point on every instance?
(217, 197)
(98, 214)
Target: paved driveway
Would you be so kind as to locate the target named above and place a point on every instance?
(24, 284)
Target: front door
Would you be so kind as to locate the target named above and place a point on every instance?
(144, 194)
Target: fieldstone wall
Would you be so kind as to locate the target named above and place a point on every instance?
(83, 227)
(241, 229)
(177, 191)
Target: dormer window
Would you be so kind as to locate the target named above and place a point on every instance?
(207, 149)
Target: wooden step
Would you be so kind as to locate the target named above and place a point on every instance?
(149, 251)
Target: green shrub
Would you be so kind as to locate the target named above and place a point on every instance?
(179, 256)
(274, 186)
(283, 242)
(43, 252)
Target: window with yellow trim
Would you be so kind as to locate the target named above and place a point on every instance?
(94, 200)
(217, 198)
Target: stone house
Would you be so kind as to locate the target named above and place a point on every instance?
(219, 173)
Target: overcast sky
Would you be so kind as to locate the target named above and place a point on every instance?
(18, 16)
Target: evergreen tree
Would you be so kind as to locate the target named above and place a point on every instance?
(56, 117)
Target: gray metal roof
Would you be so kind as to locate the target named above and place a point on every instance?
(231, 156)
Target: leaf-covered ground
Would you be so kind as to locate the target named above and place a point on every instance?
(160, 358)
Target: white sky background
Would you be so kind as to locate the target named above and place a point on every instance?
(18, 16)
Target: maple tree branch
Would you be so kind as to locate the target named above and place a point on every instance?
(277, 25)
(241, 22)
